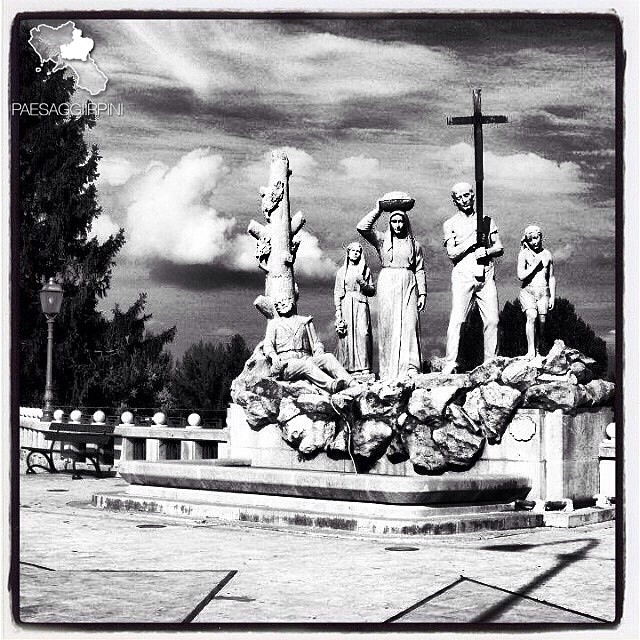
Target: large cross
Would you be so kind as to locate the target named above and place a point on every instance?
(477, 120)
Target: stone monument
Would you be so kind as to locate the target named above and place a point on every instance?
(425, 453)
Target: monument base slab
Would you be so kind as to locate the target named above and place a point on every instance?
(357, 517)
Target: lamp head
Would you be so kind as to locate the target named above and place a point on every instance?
(51, 296)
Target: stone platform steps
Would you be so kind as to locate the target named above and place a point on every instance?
(228, 475)
(365, 503)
(359, 517)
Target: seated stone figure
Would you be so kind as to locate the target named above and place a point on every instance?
(292, 345)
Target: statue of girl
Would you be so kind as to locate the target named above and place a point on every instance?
(403, 284)
(354, 285)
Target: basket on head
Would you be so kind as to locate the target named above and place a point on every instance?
(396, 201)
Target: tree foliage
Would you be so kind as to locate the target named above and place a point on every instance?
(202, 378)
(57, 206)
(563, 323)
(131, 366)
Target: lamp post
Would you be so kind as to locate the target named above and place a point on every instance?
(51, 300)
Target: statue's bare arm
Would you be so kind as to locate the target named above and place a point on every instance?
(527, 268)
(367, 227)
(495, 248)
(456, 250)
(552, 284)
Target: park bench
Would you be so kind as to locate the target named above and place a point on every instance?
(73, 439)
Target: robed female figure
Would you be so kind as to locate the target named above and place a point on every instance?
(353, 287)
(402, 293)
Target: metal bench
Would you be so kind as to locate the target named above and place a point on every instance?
(45, 452)
(80, 434)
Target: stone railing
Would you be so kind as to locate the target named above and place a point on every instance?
(162, 442)
(32, 430)
(155, 441)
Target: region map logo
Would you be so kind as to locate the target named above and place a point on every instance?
(66, 46)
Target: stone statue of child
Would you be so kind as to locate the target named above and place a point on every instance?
(291, 344)
(538, 293)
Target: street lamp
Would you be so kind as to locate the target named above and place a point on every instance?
(51, 300)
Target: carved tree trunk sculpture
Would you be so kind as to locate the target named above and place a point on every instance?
(276, 241)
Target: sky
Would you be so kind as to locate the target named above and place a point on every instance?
(360, 105)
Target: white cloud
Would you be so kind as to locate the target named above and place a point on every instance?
(212, 56)
(115, 171)
(79, 47)
(360, 167)
(519, 172)
(244, 253)
(169, 216)
(311, 259)
(103, 227)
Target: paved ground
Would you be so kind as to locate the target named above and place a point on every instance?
(78, 564)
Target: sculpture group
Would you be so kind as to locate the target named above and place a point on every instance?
(291, 343)
(440, 420)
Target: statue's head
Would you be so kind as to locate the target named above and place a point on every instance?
(398, 224)
(284, 305)
(354, 252)
(532, 236)
(463, 196)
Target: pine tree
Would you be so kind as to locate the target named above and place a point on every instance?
(131, 367)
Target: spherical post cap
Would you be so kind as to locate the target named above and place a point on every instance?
(127, 417)
(75, 415)
(611, 430)
(194, 420)
(159, 418)
(58, 414)
(99, 417)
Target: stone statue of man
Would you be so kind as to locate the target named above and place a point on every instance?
(460, 241)
(291, 344)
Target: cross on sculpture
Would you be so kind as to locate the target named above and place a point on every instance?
(477, 120)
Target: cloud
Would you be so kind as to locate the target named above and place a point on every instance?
(169, 215)
(360, 167)
(170, 221)
(115, 171)
(103, 227)
(231, 55)
(519, 172)
(311, 260)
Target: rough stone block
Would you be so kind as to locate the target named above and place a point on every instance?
(430, 402)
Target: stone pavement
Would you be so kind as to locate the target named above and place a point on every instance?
(80, 564)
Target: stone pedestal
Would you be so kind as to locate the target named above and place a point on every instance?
(558, 452)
